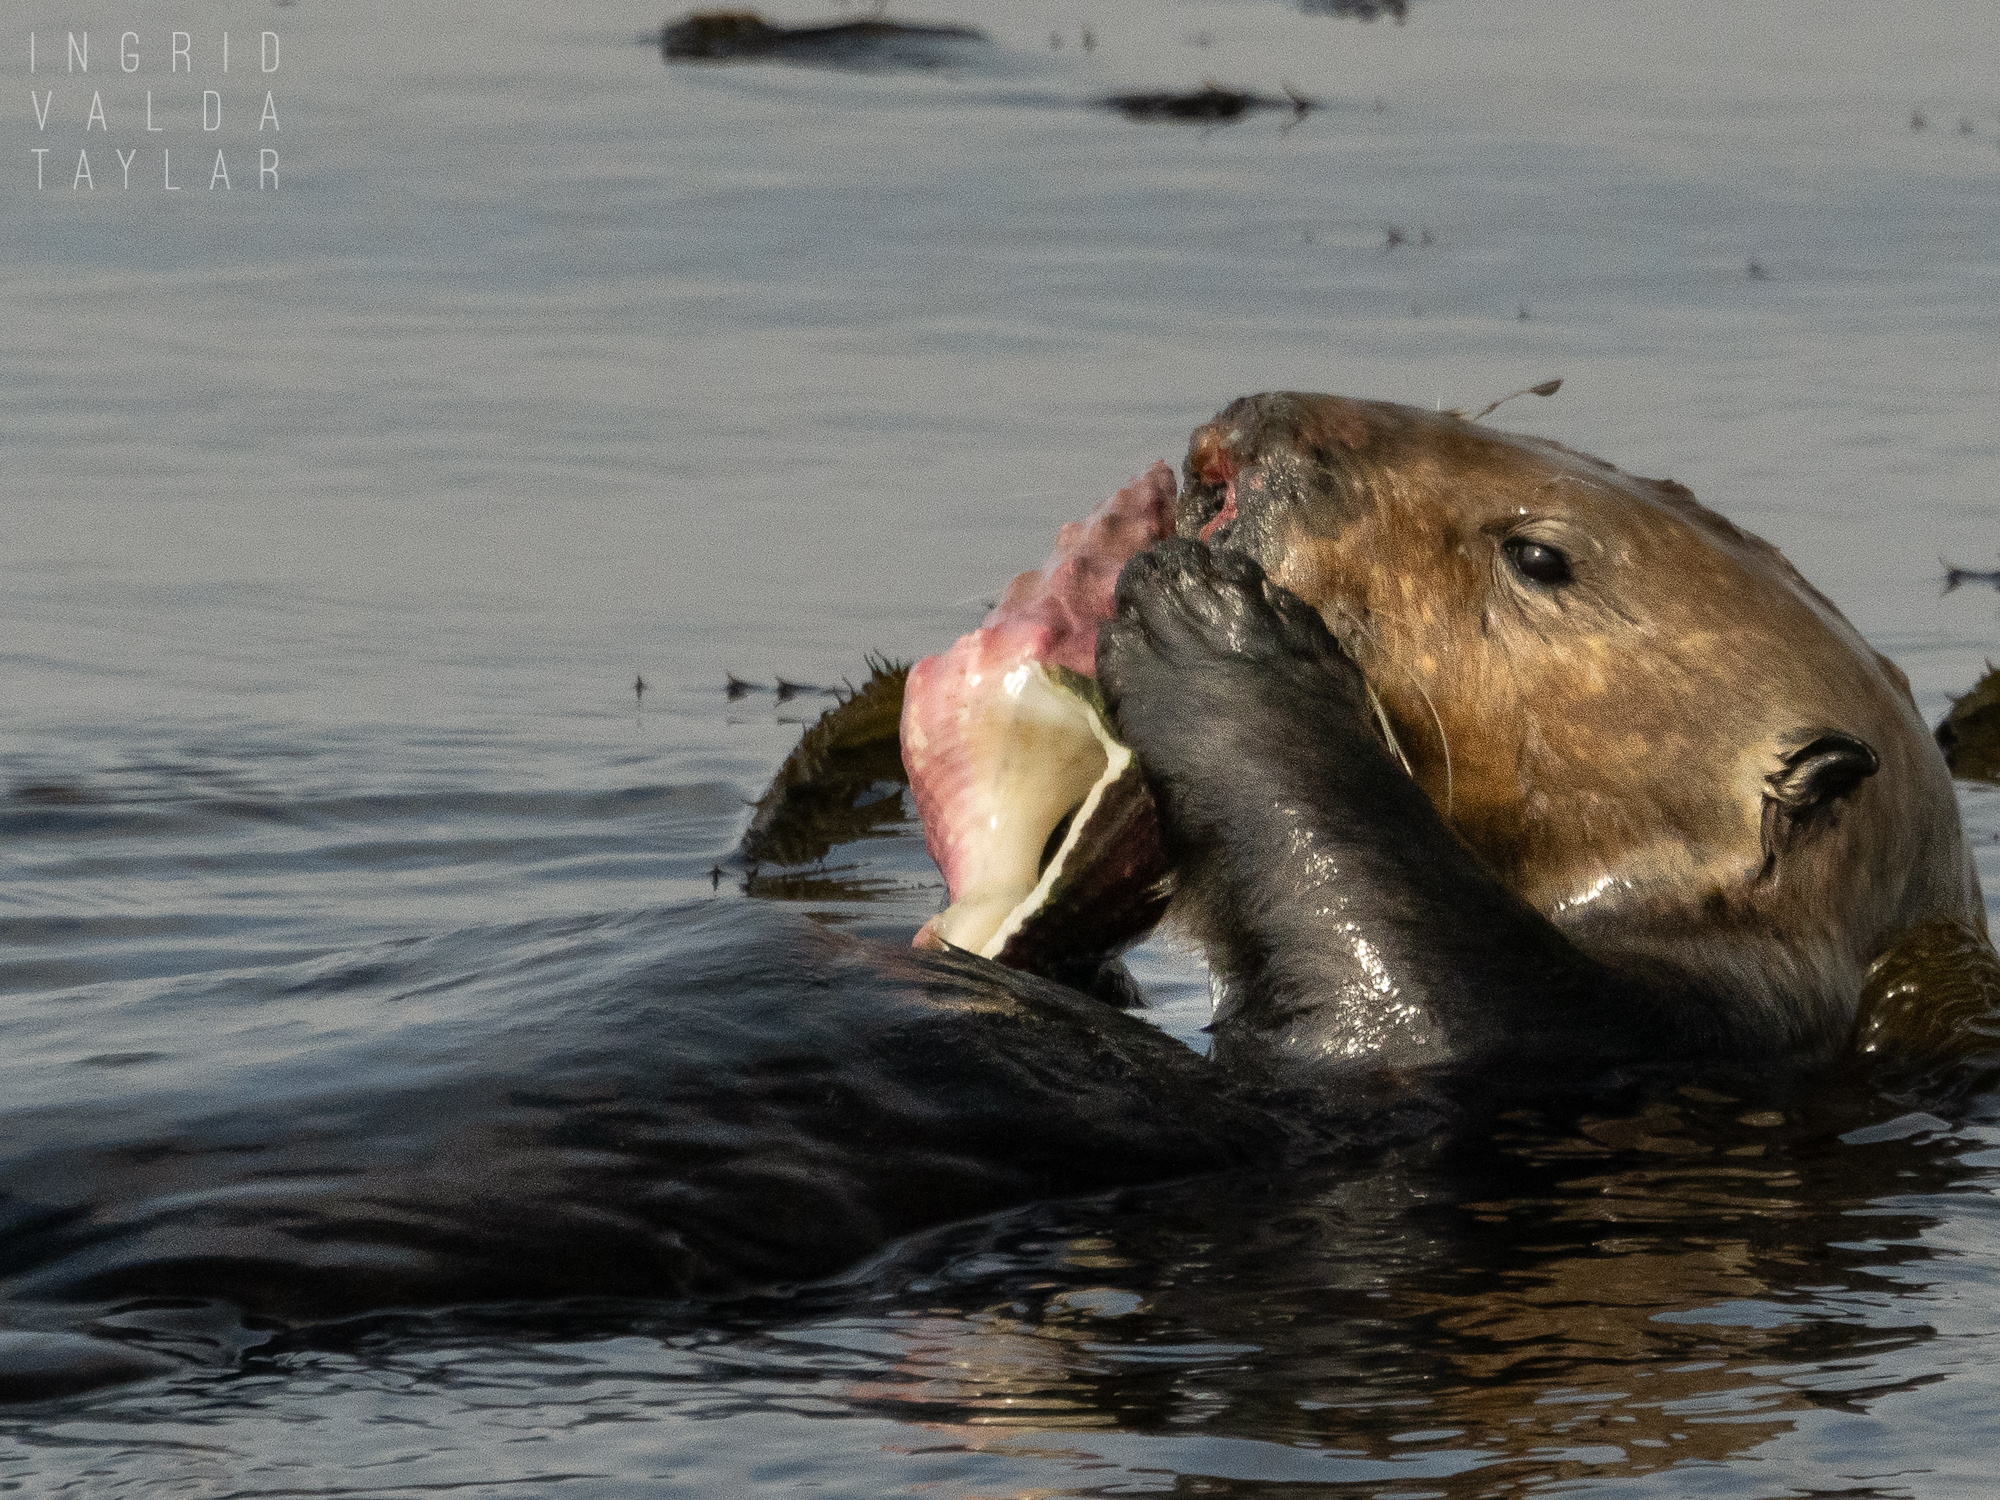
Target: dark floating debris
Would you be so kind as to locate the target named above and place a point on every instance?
(1957, 578)
(745, 36)
(1359, 10)
(639, 687)
(1210, 104)
(1755, 270)
(1970, 734)
(1394, 235)
(787, 691)
(843, 781)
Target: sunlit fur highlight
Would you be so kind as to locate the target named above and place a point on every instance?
(1603, 744)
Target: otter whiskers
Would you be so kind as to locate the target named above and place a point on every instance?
(1367, 630)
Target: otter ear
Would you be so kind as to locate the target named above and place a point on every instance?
(1824, 766)
(1828, 763)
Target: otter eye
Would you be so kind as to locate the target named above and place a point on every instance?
(1538, 562)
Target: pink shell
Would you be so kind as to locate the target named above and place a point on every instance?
(1049, 615)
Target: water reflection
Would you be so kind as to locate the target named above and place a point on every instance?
(1551, 1308)
(1617, 1297)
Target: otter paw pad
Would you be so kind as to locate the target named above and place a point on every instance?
(1184, 604)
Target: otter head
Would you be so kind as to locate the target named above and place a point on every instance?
(1640, 716)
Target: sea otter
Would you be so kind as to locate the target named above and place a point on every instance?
(1628, 786)
(1478, 763)
(1482, 768)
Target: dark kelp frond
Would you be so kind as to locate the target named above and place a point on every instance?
(1970, 734)
(830, 789)
(724, 36)
(1930, 1013)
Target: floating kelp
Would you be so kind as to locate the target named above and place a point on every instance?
(1930, 1012)
(1970, 734)
(1210, 104)
(745, 36)
(842, 782)
(1359, 10)
(1037, 816)
(1958, 578)
(735, 687)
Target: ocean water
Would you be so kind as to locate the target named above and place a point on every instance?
(342, 514)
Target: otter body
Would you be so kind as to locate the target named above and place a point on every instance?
(693, 1102)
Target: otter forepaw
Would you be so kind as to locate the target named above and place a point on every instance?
(1226, 685)
(1182, 606)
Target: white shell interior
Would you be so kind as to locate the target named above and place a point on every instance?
(1050, 752)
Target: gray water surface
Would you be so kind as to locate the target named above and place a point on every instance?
(339, 519)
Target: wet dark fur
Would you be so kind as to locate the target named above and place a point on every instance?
(691, 1105)
(1352, 934)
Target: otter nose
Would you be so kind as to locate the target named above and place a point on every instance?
(1213, 456)
(1208, 500)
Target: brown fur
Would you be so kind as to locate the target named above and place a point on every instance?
(1605, 745)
